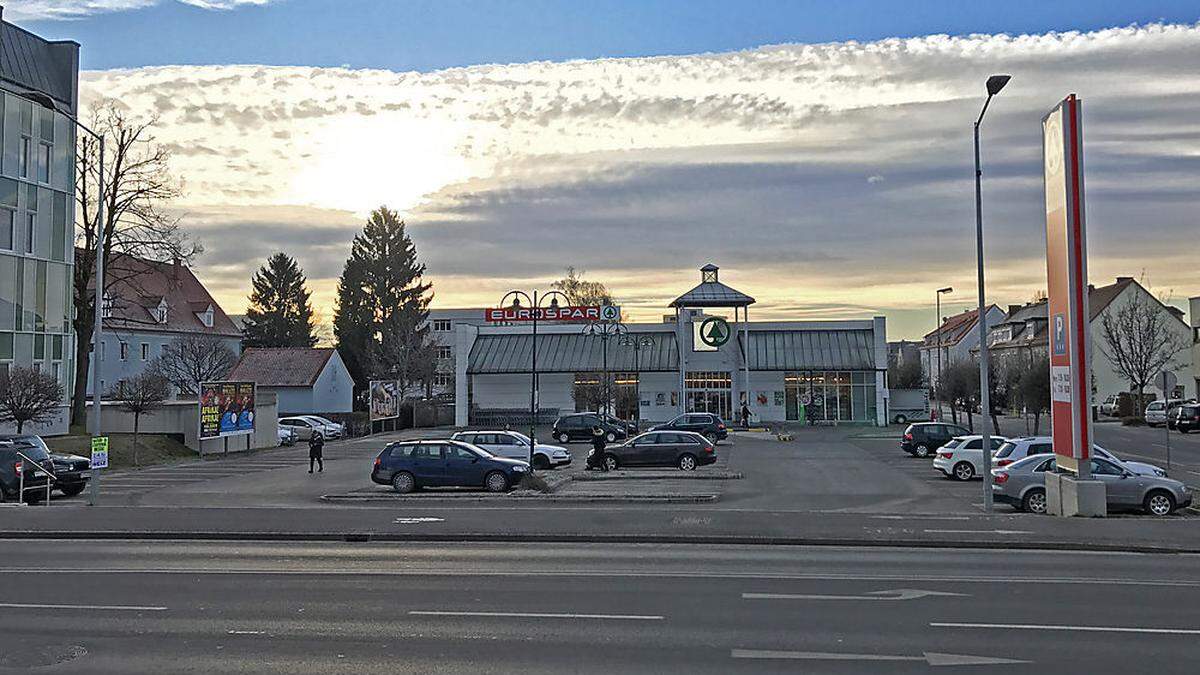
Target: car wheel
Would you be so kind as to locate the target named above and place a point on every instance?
(964, 471)
(541, 462)
(922, 451)
(1159, 503)
(72, 491)
(611, 463)
(901, 419)
(1034, 501)
(563, 437)
(610, 437)
(404, 482)
(687, 463)
(496, 481)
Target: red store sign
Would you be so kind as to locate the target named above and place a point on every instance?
(519, 314)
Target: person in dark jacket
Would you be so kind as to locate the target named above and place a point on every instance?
(316, 446)
(745, 415)
(596, 459)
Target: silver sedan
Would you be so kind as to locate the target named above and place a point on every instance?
(1023, 486)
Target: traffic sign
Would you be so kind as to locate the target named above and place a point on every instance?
(714, 331)
(1165, 381)
(100, 452)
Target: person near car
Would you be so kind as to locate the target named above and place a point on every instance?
(745, 415)
(596, 459)
(316, 447)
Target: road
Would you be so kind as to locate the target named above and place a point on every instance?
(118, 607)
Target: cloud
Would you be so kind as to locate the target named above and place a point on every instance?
(32, 10)
(770, 162)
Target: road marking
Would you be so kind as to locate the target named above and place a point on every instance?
(932, 658)
(114, 608)
(1082, 629)
(541, 615)
(979, 531)
(897, 594)
(416, 521)
(246, 632)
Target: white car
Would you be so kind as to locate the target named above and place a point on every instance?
(1156, 412)
(1017, 449)
(330, 424)
(962, 457)
(305, 426)
(1110, 405)
(287, 435)
(515, 445)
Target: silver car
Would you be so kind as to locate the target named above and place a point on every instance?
(1023, 486)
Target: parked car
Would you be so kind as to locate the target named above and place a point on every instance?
(684, 449)
(706, 424)
(1023, 486)
(515, 445)
(339, 429)
(70, 472)
(304, 427)
(924, 438)
(1110, 405)
(1187, 418)
(578, 427)
(287, 435)
(1160, 412)
(1017, 449)
(962, 457)
(631, 427)
(411, 465)
(21, 458)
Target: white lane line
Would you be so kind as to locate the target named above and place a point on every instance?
(979, 531)
(246, 632)
(114, 608)
(541, 615)
(1083, 629)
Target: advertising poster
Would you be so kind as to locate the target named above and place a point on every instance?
(385, 399)
(226, 409)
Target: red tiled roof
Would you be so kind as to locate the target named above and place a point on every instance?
(281, 367)
(954, 328)
(136, 286)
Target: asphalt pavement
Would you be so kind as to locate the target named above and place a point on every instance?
(189, 607)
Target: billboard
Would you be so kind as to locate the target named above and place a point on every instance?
(1066, 278)
(572, 313)
(226, 409)
(384, 399)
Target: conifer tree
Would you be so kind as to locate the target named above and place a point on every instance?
(280, 314)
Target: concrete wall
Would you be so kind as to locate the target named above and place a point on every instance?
(58, 426)
(293, 400)
(113, 369)
(334, 389)
(183, 417)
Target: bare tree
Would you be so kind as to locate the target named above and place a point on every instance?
(1140, 340)
(29, 396)
(580, 291)
(189, 360)
(137, 187)
(139, 395)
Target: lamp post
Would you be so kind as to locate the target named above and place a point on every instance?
(994, 84)
(537, 303)
(605, 329)
(938, 318)
(98, 326)
(638, 343)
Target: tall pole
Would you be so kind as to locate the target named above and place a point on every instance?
(98, 326)
(938, 389)
(984, 394)
(533, 383)
(604, 350)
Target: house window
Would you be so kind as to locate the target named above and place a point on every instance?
(103, 345)
(445, 353)
(441, 325)
(44, 162)
(206, 317)
(8, 224)
(145, 351)
(106, 307)
(30, 231)
(441, 379)
(23, 158)
(124, 351)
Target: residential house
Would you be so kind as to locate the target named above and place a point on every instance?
(957, 335)
(1022, 336)
(1194, 315)
(902, 352)
(304, 380)
(148, 304)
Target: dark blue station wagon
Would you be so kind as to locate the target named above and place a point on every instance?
(415, 464)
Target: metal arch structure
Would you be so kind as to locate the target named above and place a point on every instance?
(535, 301)
(606, 329)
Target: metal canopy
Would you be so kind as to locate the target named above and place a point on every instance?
(568, 353)
(812, 350)
(712, 293)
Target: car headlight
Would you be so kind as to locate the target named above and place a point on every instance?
(1160, 473)
(519, 468)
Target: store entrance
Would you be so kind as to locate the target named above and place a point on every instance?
(710, 392)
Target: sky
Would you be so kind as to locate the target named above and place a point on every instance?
(820, 153)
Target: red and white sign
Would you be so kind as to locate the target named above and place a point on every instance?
(520, 314)
(1066, 276)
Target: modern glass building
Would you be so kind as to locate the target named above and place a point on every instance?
(37, 206)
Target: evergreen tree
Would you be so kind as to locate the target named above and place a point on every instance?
(383, 305)
(280, 314)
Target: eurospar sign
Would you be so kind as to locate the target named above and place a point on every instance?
(1066, 277)
(575, 313)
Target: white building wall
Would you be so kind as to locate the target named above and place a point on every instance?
(655, 389)
(1194, 319)
(500, 391)
(1107, 380)
(292, 400)
(767, 383)
(333, 392)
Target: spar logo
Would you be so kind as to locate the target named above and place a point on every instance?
(714, 332)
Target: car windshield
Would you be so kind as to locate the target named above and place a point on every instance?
(522, 439)
(1006, 450)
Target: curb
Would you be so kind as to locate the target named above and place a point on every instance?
(690, 475)
(717, 540)
(583, 498)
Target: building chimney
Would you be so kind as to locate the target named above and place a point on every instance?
(175, 265)
(1013, 309)
(1124, 279)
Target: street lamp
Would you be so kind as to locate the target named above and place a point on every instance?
(98, 326)
(537, 303)
(938, 319)
(638, 343)
(994, 84)
(605, 329)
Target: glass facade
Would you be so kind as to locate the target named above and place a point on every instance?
(823, 396)
(37, 177)
(710, 391)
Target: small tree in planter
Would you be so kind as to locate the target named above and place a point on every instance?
(139, 395)
(28, 396)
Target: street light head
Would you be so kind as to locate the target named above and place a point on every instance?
(996, 82)
(945, 290)
(554, 302)
(516, 301)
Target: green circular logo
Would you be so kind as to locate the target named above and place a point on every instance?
(714, 331)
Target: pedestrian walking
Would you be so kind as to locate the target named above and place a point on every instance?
(316, 446)
(596, 459)
(745, 415)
